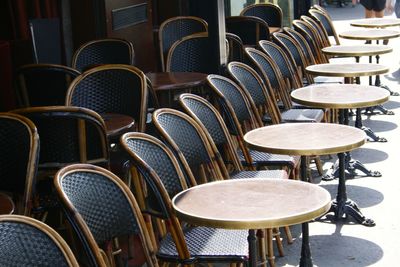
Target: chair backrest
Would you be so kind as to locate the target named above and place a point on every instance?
(235, 47)
(43, 84)
(311, 36)
(163, 179)
(100, 207)
(322, 34)
(174, 29)
(270, 73)
(325, 22)
(68, 135)
(284, 60)
(103, 51)
(190, 143)
(18, 162)
(262, 96)
(25, 241)
(250, 29)
(191, 54)
(209, 118)
(270, 13)
(120, 89)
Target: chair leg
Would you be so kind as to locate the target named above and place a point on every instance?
(261, 247)
(288, 234)
(276, 233)
(270, 248)
(318, 163)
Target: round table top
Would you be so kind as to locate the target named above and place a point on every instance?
(356, 50)
(370, 34)
(6, 204)
(349, 70)
(176, 80)
(251, 203)
(117, 124)
(376, 22)
(340, 96)
(305, 139)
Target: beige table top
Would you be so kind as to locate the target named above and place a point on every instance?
(370, 34)
(251, 203)
(340, 96)
(305, 139)
(376, 22)
(356, 50)
(346, 69)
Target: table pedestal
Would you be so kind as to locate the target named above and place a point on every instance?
(350, 165)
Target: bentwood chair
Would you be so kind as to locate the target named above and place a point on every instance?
(250, 29)
(191, 54)
(322, 34)
(19, 143)
(306, 30)
(174, 29)
(272, 14)
(43, 84)
(235, 47)
(183, 244)
(101, 209)
(103, 51)
(325, 22)
(27, 242)
(113, 88)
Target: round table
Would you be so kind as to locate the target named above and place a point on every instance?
(308, 139)
(343, 97)
(252, 204)
(376, 22)
(356, 50)
(169, 84)
(370, 34)
(350, 71)
(6, 204)
(116, 125)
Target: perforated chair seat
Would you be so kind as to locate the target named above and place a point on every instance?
(263, 158)
(269, 174)
(302, 115)
(208, 244)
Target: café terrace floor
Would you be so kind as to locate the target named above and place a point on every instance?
(346, 243)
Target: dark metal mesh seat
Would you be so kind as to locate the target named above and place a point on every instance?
(100, 207)
(103, 51)
(43, 84)
(259, 174)
(19, 143)
(174, 29)
(164, 179)
(235, 45)
(119, 89)
(270, 13)
(27, 242)
(309, 35)
(303, 44)
(191, 54)
(250, 29)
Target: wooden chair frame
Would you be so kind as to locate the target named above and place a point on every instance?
(317, 14)
(269, 6)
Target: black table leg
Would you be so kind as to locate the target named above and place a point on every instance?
(367, 130)
(252, 239)
(305, 260)
(342, 206)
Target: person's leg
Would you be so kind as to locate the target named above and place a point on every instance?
(379, 14)
(369, 13)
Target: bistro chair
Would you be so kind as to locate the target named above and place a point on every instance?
(272, 14)
(273, 78)
(183, 244)
(67, 135)
(235, 47)
(306, 30)
(119, 89)
(101, 209)
(103, 51)
(18, 162)
(191, 54)
(250, 29)
(43, 84)
(325, 22)
(27, 242)
(322, 34)
(174, 29)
